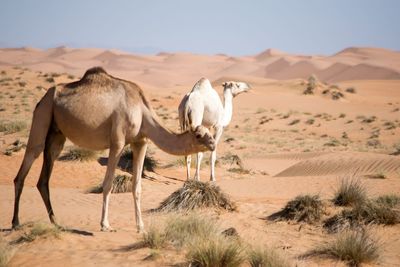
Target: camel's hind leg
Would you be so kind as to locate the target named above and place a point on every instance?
(41, 121)
(54, 144)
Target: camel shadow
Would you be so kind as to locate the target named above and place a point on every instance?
(77, 231)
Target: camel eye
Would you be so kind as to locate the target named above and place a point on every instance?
(198, 136)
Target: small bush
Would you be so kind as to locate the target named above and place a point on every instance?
(194, 195)
(350, 192)
(50, 80)
(34, 230)
(354, 247)
(383, 210)
(266, 258)
(12, 126)
(79, 154)
(121, 184)
(305, 208)
(149, 164)
(216, 252)
(184, 230)
(154, 238)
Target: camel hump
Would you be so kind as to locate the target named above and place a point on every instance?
(94, 71)
(203, 83)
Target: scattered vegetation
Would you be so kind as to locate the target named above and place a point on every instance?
(6, 253)
(194, 195)
(350, 192)
(154, 238)
(121, 184)
(351, 90)
(311, 85)
(305, 208)
(293, 122)
(267, 257)
(353, 247)
(16, 146)
(12, 126)
(34, 230)
(79, 154)
(216, 252)
(383, 210)
(149, 164)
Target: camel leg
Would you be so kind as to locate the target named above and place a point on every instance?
(198, 163)
(213, 157)
(139, 153)
(30, 155)
(41, 122)
(188, 161)
(113, 158)
(54, 144)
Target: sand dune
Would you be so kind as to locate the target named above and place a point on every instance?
(348, 64)
(344, 164)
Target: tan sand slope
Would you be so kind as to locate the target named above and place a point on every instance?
(344, 164)
(170, 69)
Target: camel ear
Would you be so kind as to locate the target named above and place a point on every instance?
(224, 84)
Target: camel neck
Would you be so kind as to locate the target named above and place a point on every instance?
(165, 139)
(228, 97)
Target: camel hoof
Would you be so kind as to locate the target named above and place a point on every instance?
(108, 229)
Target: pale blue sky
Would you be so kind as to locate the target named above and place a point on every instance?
(230, 26)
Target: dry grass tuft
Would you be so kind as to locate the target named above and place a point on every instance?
(350, 192)
(266, 257)
(34, 230)
(354, 247)
(6, 253)
(154, 238)
(305, 208)
(383, 210)
(9, 127)
(79, 154)
(216, 252)
(149, 164)
(182, 231)
(194, 195)
(121, 184)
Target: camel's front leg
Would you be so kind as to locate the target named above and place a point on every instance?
(188, 161)
(198, 163)
(139, 153)
(113, 158)
(213, 157)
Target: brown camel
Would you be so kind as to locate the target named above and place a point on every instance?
(100, 112)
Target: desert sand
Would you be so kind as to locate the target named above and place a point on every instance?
(290, 144)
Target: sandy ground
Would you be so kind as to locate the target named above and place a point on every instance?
(291, 143)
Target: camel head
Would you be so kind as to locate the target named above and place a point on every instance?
(203, 137)
(236, 87)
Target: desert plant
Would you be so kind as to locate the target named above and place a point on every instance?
(293, 122)
(266, 257)
(216, 252)
(197, 194)
(79, 154)
(351, 90)
(354, 247)
(149, 164)
(154, 238)
(121, 184)
(305, 208)
(6, 253)
(12, 126)
(183, 230)
(383, 210)
(34, 230)
(350, 192)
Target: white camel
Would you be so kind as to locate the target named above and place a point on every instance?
(99, 112)
(202, 106)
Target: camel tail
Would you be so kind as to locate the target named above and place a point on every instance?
(41, 122)
(184, 118)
